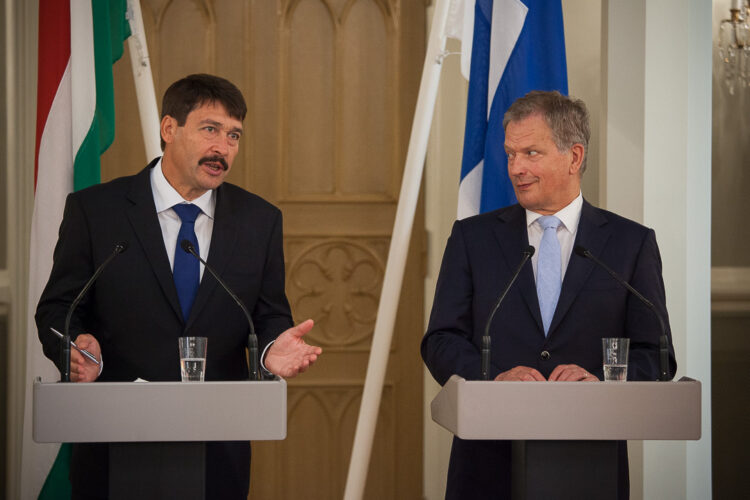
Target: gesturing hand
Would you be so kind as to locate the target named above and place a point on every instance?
(289, 354)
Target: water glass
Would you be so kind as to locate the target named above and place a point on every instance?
(615, 355)
(193, 358)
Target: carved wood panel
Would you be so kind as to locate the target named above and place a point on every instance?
(331, 87)
(337, 282)
(338, 60)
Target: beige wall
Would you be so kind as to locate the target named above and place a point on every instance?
(441, 198)
(730, 240)
(3, 165)
(4, 215)
(583, 36)
(3, 252)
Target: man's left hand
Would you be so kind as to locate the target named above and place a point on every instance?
(289, 354)
(571, 373)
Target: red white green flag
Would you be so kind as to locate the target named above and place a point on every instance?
(79, 40)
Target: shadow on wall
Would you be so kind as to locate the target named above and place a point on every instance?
(3, 399)
(730, 405)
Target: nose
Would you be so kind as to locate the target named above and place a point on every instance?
(516, 166)
(220, 145)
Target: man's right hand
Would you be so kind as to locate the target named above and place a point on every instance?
(522, 374)
(81, 368)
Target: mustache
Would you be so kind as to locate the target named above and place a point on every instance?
(214, 159)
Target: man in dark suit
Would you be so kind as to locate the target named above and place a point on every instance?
(135, 312)
(539, 335)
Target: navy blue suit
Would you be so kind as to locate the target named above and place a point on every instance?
(480, 257)
(134, 312)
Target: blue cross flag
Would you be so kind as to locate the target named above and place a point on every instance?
(518, 46)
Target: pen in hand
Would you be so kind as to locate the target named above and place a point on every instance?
(90, 356)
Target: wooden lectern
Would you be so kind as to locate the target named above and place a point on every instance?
(158, 429)
(578, 421)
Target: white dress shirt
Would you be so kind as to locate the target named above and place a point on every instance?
(566, 232)
(165, 197)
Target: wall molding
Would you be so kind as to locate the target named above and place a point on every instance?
(730, 291)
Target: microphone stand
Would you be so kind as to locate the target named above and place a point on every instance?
(65, 351)
(486, 340)
(663, 341)
(252, 338)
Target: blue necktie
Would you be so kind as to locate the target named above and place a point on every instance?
(186, 267)
(548, 275)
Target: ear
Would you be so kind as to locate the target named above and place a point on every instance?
(168, 129)
(576, 158)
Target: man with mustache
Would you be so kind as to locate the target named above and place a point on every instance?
(135, 312)
(541, 332)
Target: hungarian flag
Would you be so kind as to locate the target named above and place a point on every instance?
(79, 40)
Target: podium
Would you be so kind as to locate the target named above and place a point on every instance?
(158, 430)
(576, 423)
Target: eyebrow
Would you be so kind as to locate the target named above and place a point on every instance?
(220, 125)
(524, 148)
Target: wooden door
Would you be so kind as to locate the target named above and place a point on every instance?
(331, 87)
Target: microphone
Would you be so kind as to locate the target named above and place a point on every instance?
(663, 341)
(486, 341)
(65, 353)
(252, 338)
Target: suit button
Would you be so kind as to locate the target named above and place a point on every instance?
(545, 355)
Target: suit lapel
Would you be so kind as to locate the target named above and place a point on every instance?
(145, 223)
(513, 238)
(223, 240)
(593, 233)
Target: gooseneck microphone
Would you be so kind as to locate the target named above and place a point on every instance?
(252, 338)
(65, 352)
(486, 341)
(663, 341)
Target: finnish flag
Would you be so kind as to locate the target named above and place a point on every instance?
(509, 48)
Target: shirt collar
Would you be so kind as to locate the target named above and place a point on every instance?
(165, 196)
(569, 215)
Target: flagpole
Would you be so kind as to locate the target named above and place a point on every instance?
(397, 253)
(144, 82)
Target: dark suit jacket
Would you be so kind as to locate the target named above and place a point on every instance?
(480, 258)
(133, 309)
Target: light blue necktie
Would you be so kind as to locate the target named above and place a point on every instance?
(548, 275)
(186, 270)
